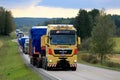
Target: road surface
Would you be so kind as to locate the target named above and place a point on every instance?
(83, 72)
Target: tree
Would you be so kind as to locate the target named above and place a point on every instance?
(6, 22)
(82, 24)
(2, 20)
(92, 15)
(118, 32)
(9, 23)
(102, 34)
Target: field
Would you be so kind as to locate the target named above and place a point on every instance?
(114, 57)
(117, 45)
(1, 43)
(12, 66)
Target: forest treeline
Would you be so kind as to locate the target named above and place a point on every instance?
(83, 22)
(95, 28)
(6, 22)
(85, 19)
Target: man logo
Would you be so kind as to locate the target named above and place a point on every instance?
(63, 52)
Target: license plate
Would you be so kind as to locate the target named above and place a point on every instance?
(62, 54)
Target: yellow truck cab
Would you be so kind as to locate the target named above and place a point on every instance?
(60, 47)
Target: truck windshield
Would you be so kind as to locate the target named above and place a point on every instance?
(62, 37)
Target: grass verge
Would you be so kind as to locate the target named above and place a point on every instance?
(115, 57)
(12, 66)
(117, 45)
(1, 43)
(95, 65)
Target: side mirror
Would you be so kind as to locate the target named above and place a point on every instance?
(78, 41)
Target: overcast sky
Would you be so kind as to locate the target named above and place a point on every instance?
(57, 8)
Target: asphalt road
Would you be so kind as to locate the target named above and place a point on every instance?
(83, 72)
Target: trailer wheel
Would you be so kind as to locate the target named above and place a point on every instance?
(38, 64)
(32, 61)
(25, 52)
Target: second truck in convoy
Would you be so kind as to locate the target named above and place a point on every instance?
(54, 46)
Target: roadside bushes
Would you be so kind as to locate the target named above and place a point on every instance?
(89, 58)
(93, 59)
(112, 64)
(85, 45)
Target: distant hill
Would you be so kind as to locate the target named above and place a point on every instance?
(22, 22)
(27, 22)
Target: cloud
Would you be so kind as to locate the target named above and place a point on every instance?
(52, 12)
(10, 4)
(113, 11)
(57, 8)
(42, 11)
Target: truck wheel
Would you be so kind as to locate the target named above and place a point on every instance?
(46, 67)
(32, 61)
(73, 68)
(39, 64)
(25, 52)
(44, 63)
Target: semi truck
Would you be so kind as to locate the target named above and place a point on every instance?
(26, 46)
(35, 51)
(20, 34)
(54, 46)
(22, 42)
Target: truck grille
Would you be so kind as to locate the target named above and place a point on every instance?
(60, 51)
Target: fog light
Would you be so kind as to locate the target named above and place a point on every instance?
(75, 61)
(50, 60)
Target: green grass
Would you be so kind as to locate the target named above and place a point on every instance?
(12, 66)
(1, 43)
(117, 44)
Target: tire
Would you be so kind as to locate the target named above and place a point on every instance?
(39, 64)
(48, 68)
(33, 62)
(45, 64)
(73, 68)
(44, 61)
(25, 52)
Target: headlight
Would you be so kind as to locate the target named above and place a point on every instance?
(75, 61)
(50, 60)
